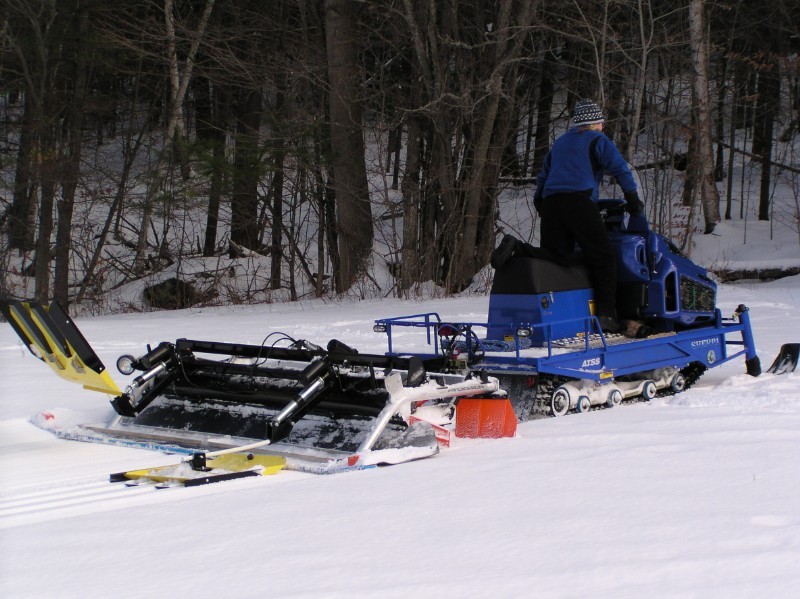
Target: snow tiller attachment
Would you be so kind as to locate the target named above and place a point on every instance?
(322, 409)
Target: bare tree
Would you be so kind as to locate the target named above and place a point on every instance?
(768, 91)
(71, 162)
(461, 115)
(704, 160)
(476, 237)
(174, 132)
(353, 212)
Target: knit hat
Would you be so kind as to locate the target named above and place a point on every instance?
(587, 113)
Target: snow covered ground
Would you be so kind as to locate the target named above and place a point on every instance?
(697, 495)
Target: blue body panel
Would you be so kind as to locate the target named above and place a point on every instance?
(561, 312)
(631, 253)
(675, 292)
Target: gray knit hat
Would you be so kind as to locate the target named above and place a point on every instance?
(587, 113)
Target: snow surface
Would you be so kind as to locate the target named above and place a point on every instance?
(697, 495)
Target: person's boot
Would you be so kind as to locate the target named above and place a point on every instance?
(609, 324)
(504, 251)
(635, 329)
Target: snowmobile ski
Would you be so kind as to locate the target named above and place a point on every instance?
(786, 360)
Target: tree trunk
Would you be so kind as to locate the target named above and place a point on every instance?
(48, 175)
(331, 232)
(529, 123)
(640, 77)
(353, 211)
(487, 217)
(719, 169)
(276, 199)
(247, 171)
(542, 136)
(72, 162)
(464, 263)
(394, 149)
(179, 83)
(769, 88)
(23, 208)
(140, 258)
(731, 154)
(410, 259)
(214, 199)
(705, 164)
(276, 213)
(211, 130)
(690, 174)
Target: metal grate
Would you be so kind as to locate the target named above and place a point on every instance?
(696, 297)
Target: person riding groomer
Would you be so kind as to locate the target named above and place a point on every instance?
(566, 199)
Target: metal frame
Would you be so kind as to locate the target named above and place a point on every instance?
(600, 358)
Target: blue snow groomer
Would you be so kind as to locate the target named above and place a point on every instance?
(545, 345)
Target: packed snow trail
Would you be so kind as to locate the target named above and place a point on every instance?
(693, 495)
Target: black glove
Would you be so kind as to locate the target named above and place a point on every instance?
(538, 200)
(633, 204)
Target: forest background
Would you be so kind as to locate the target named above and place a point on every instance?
(252, 151)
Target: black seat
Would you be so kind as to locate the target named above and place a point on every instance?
(525, 275)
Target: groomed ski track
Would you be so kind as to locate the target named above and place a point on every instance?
(75, 482)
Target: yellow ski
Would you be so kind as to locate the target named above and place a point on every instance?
(224, 467)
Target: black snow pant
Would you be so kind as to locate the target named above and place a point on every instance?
(570, 218)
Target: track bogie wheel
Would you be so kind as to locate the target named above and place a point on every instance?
(559, 402)
(584, 404)
(614, 398)
(677, 383)
(649, 390)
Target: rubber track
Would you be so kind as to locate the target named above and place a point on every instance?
(691, 373)
(548, 383)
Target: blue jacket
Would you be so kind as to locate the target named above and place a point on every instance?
(568, 168)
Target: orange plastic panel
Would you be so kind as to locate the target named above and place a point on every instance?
(485, 418)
